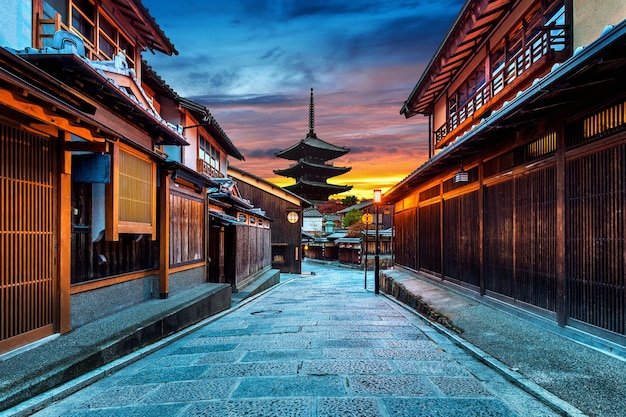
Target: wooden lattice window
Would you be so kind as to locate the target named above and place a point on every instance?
(102, 38)
(132, 195)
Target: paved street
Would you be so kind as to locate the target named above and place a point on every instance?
(315, 345)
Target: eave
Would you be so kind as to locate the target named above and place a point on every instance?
(241, 175)
(207, 121)
(73, 71)
(475, 21)
(32, 92)
(188, 174)
(303, 167)
(314, 147)
(314, 186)
(136, 18)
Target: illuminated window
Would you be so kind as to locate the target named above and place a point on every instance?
(135, 189)
(132, 195)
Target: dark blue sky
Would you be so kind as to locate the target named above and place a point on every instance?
(253, 63)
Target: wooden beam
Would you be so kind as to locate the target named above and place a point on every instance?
(112, 197)
(562, 307)
(98, 147)
(65, 235)
(164, 232)
(481, 228)
(38, 112)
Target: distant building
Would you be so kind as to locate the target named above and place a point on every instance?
(313, 221)
(311, 171)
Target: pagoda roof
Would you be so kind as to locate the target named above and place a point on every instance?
(312, 146)
(304, 168)
(316, 190)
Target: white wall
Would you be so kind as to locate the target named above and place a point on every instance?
(590, 18)
(16, 23)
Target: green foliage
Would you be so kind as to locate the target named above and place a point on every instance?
(351, 217)
(349, 200)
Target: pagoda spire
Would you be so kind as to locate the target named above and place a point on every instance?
(311, 116)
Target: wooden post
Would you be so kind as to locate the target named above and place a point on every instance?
(64, 248)
(481, 229)
(112, 197)
(562, 307)
(164, 235)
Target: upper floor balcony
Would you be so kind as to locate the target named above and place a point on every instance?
(507, 78)
(206, 169)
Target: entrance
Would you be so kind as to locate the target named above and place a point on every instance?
(28, 282)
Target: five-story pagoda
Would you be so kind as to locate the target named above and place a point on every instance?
(311, 171)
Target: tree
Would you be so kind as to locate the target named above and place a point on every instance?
(349, 201)
(331, 206)
(351, 217)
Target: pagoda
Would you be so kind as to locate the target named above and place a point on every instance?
(311, 171)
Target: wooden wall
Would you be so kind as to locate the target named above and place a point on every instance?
(186, 228)
(286, 238)
(506, 233)
(252, 251)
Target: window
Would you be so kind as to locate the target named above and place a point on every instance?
(210, 155)
(111, 42)
(107, 37)
(103, 39)
(135, 189)
(131, 195)
(83, 14)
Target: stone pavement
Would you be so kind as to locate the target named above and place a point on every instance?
(576, 372)
(315, 345)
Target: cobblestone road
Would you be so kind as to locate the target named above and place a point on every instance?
(316, 345)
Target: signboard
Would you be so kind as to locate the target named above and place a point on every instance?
(367, 218)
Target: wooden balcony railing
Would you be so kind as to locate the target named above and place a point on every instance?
(208, 170)
(538, 51)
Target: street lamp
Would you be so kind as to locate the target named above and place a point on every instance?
(377, 198)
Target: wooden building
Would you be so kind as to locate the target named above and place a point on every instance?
(240, 246)
(104, 170)
(284, 209)
(522, 198)
(186, 179)
(312, 169)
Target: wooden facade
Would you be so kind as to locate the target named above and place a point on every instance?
(539, 222)
(277, 203)
(240, 236)
(104, 171)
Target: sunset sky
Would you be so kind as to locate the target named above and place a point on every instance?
(253, 63)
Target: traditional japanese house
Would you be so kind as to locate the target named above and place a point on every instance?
(349, 250)
(240, 238)
(522, 198)
(284, 208)
(311, 171)
(184, 181)
(95, 216)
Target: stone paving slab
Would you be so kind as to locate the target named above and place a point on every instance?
(316, 345)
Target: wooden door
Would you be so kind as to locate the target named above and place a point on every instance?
(28, 282)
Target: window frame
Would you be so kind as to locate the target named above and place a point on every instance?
(114, 225)
(91, 30)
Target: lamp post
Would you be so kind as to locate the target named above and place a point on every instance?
(377, 198)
